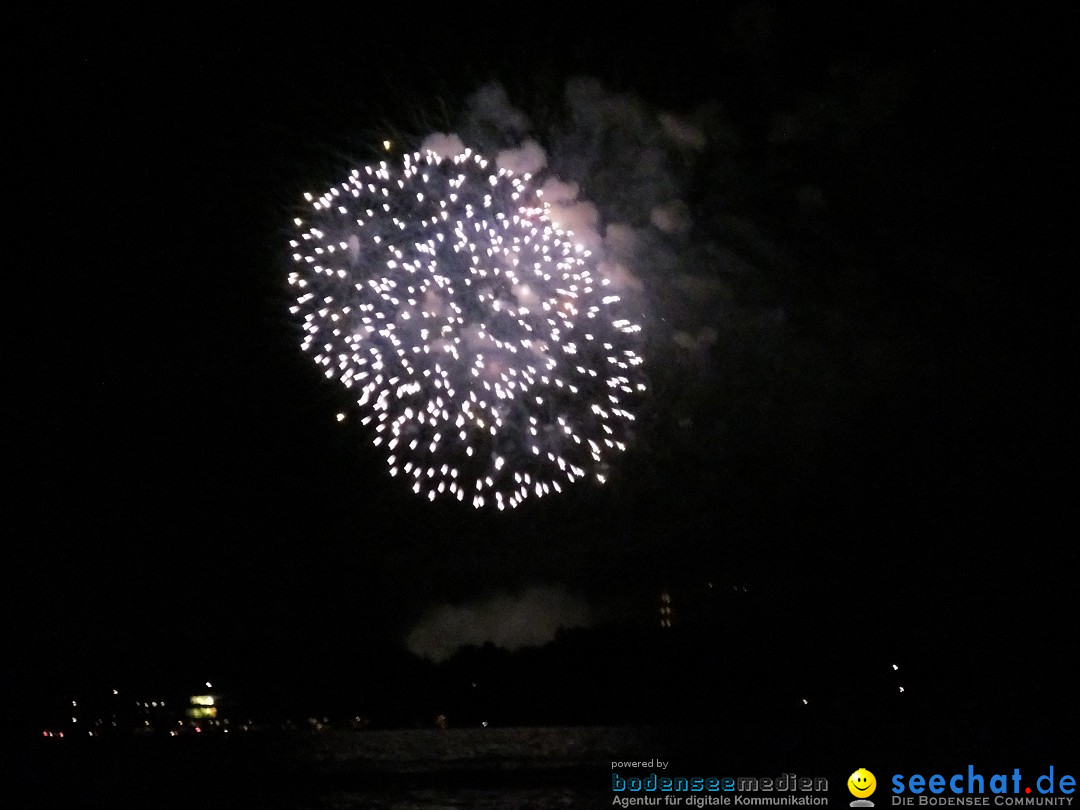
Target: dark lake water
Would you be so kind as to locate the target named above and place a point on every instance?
(484, 768)
(417, 769)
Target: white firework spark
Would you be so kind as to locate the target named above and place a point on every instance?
(491, 361)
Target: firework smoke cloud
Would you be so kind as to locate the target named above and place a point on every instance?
(492, 360)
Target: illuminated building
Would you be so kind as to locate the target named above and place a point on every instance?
(667, 615)
(204, 707)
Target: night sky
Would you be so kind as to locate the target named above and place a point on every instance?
(858, 408)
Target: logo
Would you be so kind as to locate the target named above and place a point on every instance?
(971, 788)
(862, 785)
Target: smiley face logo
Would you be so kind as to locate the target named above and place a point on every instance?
(861, 783)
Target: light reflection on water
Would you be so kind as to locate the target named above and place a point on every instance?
(535, 799)
(417, 769)
(417, 749)
(554, 767)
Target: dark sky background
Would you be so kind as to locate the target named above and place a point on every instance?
(883, 418)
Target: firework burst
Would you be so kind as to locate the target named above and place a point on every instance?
(491, 360)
